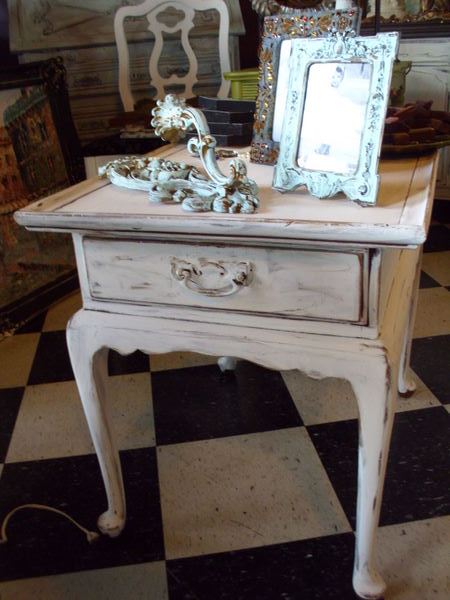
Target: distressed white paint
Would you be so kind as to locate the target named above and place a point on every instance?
(90, 367)
(391, 256)
(406, 383)
(400, 218)
(153, 10)
(132, 301)
(371, 366)
(294, 283)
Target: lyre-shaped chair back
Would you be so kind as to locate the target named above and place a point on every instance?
(152, 9)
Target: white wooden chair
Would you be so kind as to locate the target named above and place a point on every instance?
(152, 9)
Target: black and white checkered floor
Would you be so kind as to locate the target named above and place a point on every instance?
(239, 486)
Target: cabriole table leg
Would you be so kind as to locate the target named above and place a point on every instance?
(372, 371)
(376, 392)
(89, 362)
(406, 383)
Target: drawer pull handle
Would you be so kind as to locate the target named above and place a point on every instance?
(211, 278)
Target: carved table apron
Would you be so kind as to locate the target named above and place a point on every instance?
(324, 286)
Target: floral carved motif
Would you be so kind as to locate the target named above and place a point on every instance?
(361, 182)
(168, 181)
(305, 23)
(212, 278)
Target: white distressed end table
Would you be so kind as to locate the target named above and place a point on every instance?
(324, 286)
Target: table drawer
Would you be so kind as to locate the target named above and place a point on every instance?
(293, 283)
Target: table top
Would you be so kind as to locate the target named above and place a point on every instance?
(401, 216)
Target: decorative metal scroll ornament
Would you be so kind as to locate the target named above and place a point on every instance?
(213, 278)
(178, 182)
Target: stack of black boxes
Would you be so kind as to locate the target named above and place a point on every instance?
(229, 121)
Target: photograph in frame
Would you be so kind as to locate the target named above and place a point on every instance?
(39, 155)
(279, 31)
(334, 119)
(332, 144)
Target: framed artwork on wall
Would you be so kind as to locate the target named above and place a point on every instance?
(39, 155)
(279, 32)
(334, 115)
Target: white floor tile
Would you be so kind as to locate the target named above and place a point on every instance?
(321, 401)
(58, 315)
(245, 491)
(437, 266)
(414, 559)
(433, 313)
(180, 360)
(423, 397)
(145, 581)
(16, 359)
(328, 400)
(51, 413)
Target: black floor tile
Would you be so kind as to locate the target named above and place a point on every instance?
(430, 359)
(438, 239)
(10, 399)
(313, 569)
(132, 363)
(427, 282)
(416, 484)
(417, 475)
(337, 445)
(42, 543)
(34, 325)
(441, 211)
(203, 403)
(51, 361)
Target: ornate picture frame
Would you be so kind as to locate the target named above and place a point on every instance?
(39, 154)
(336, 155)
(304, 23)
(47, 79)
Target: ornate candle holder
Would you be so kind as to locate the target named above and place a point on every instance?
(178, 182)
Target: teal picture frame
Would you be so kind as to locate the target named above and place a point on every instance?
(360, 181)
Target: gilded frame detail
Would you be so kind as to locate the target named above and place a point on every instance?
(305, 23)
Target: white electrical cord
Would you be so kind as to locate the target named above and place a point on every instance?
(90, 535)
